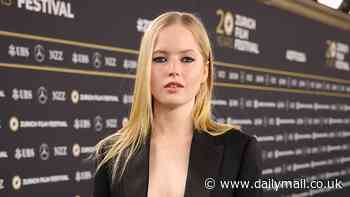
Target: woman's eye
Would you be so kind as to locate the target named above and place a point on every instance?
(159, 59)
(187, 59)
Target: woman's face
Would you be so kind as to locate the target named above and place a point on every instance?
(177, 68)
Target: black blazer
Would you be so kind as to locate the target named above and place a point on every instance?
(230, 156)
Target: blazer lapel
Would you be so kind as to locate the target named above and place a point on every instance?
(204, 162)
(205, 159)
(135, 180)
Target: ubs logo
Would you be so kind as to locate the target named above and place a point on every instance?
(44, 152)
(39, 53)
(42, 95)
(6, 2)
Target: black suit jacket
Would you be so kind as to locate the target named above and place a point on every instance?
(230, 156)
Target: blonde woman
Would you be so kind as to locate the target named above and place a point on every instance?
(171, 146)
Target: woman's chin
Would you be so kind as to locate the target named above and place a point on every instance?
(171, 104)
(173, 101)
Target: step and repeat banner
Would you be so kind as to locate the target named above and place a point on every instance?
(67, 70)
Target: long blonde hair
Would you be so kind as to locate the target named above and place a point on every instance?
(118, 148)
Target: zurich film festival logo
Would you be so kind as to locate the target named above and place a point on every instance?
(14, 124)
(16, 182)
(331, 52)
(76, 150)
(42, 95)
(47, 7)
(44, 152)
(224, 28)
(3, 155)
(235, 31)
(336, 55)
(74, 96)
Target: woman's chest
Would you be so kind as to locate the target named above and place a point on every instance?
(168, 168)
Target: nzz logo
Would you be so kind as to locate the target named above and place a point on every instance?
(6, 2)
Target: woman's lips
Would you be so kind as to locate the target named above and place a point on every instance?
(174, 84)
(173, 87)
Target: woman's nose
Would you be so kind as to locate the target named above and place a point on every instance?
(174, 68)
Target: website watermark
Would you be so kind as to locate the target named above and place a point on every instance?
(272, 184)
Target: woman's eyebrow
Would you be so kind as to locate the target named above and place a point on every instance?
(167, 52)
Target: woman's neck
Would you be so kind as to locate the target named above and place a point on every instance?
(172, 122)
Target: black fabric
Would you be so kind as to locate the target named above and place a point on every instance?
(231, 156)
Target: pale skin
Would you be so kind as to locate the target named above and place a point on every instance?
(176, 57)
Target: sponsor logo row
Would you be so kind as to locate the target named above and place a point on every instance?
(18, 182)
(98, 123)
(293, 167)
(278, 121)
(42, 53)
(43, 95)
(280, 81)
(244, 103)
(287, 136)
(275, 154)
(46, 152)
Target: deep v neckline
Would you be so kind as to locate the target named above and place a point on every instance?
(148, 153)
(204, 161)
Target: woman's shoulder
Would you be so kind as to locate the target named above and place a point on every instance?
(237, 136)
(241, 146)
(237, 142)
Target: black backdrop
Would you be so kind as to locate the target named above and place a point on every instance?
(67, 71)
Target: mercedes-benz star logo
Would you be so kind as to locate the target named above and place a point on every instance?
(42, 95)
(39, 53)
(98, 123)
(97, 60)
(44, 152)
